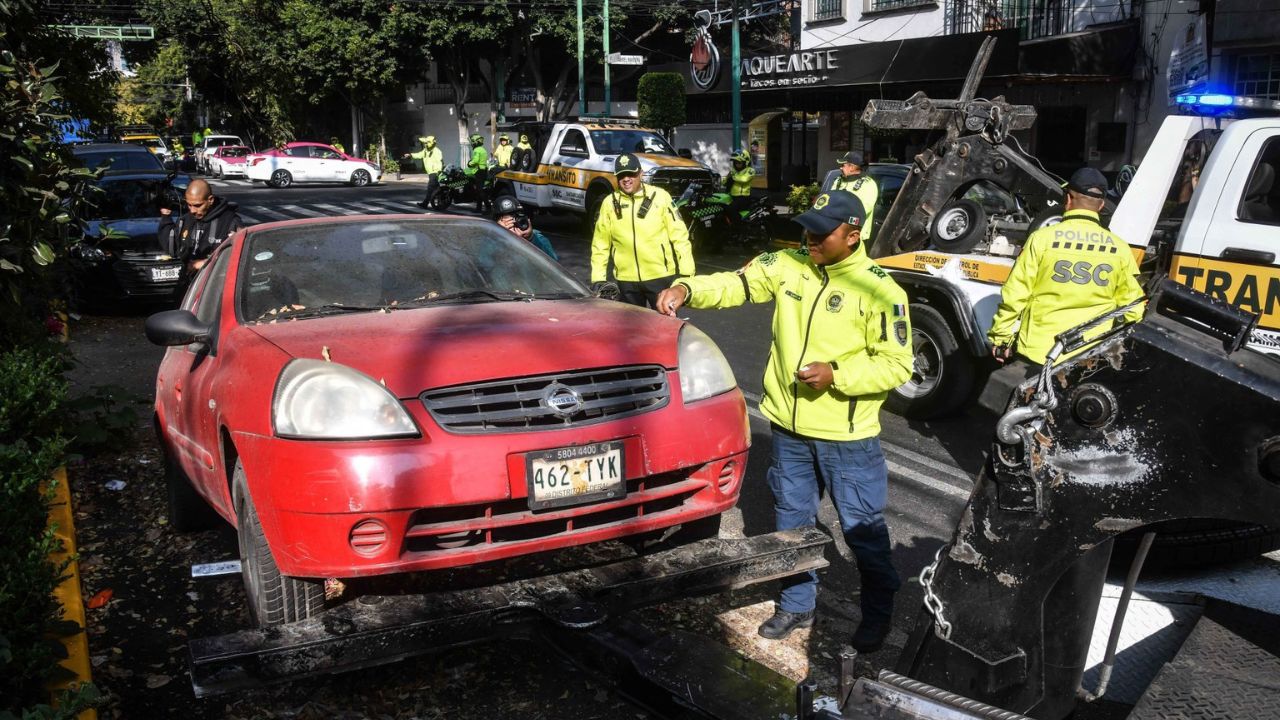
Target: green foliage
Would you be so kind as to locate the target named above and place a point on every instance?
(801, 197)
(32, 391)
(660, 97)
(158, 90)
(39, 185)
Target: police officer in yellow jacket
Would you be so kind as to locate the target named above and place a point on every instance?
(852, 179)
(502, 153)
(639, 242)
(841, 341)
(432, 163)
(1067, 274)
(738, 183)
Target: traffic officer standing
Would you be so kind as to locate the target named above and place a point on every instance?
(502, 153)
(1067, 274)
(739, 185)
(639, 242)
(432, 163)
(841, 341)
(853, 180)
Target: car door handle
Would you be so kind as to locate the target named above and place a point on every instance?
(1246, 255)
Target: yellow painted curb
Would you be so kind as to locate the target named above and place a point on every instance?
(68, 593)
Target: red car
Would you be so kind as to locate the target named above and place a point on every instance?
(365, 396)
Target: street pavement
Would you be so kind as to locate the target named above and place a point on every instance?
(931, 464)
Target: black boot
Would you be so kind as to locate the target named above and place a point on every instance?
(870, 635)
(782, 623)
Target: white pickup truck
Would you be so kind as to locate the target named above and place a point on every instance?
(208, 145)
(1204, 206)
(574, 168)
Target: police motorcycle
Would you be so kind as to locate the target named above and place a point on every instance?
(458, 187)
(712, 225)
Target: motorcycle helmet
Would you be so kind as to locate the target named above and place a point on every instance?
(741, 157)
(524, 139)
(477, 139)
(428, 141)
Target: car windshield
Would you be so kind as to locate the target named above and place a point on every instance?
(233, 151)
(125, 199)
(121, 160)
(614, 142)
(318, 269)
(216, 141)
(148, 142)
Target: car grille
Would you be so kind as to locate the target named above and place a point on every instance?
(522, 404)
(675, 180)
(134, 276)
(471, 527)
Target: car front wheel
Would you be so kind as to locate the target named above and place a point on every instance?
(360, 178)
(274, 598)
(281, 179)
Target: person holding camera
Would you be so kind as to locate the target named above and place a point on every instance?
(508, 213)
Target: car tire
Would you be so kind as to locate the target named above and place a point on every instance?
(441, 201)
(280, 179)
(958, 226)
(188, 511)
(1197, 543)
(274, 598)
(361, 178)
(942, 372)
(217, 172)
(1045, 218)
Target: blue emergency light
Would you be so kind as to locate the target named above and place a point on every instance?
(1218, 104)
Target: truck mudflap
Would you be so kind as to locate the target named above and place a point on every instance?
(1163, 419)
(373, 630)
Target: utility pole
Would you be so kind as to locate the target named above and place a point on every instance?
(736, 77)
(582, 80)
(606, 59)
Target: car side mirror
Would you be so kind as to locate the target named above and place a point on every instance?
(685, 153)
(176, 327)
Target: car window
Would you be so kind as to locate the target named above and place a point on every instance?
(324, 153)
(574, 143)
(233, 151)
(120, 199)
(380, 263)
(210, 300)
(299, 152)
(121, 160)
(1260, 202)
(216, 141)
(630, 141)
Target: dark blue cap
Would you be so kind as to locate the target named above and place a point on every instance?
(830, 210)
(626, 164)
(853, 156)
(1088, 181)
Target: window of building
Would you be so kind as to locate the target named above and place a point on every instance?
(1258, 76)
(820, 10)
(882, 5)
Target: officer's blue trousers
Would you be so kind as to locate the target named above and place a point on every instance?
(855, 474)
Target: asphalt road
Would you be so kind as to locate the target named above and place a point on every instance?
(931, 464)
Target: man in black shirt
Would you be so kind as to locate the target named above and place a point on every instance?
(209, 220)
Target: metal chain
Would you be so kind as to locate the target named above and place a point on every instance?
(932, 602)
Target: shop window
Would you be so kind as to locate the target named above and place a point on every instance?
(884, 5)
(820, 10)
(1258, 76)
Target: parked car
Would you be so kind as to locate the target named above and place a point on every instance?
(377, 395)
(115, 253)
(152, 142)
(117, 156)
(310, 162)
(208, 145)
(228, 161)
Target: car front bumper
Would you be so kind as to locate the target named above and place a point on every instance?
(355, 509)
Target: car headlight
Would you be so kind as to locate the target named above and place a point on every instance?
(703, 370)
(648, 174)
(326, 401)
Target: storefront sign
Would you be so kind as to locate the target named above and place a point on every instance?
(1189, 59)
(704, 58)
(522, 98)
(798, 69)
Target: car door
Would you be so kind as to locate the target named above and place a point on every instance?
(566, 175)
(329, 164)
(196, 372)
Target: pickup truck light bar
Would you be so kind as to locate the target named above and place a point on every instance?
(1222, 104)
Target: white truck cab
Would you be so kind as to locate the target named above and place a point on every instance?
(574, 169)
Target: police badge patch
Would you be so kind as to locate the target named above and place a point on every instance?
(900, 331)
(767, 258)
(834, 302)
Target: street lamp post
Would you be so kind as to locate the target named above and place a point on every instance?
(736, 90)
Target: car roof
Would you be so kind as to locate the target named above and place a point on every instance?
(134, 175)
(108, 147)
(441, 219)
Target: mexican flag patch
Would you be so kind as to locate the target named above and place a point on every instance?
(899, 310)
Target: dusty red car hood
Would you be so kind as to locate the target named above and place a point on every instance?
(413, 350)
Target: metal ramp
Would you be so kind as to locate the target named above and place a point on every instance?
(1228, 669)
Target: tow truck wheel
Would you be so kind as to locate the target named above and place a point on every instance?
(958, 227)
(1197, 543)
(942, 372)
(273, 598)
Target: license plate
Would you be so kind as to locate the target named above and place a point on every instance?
(575, 475)
(165, 273)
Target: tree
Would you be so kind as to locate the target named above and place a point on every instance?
(660, 97)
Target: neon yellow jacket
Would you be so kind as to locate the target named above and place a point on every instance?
(850, 314)
(1067, 274)
(479, 160)
(865, 188)
(740, 181)
(432, 159)
(640, 248)
(502, 154)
